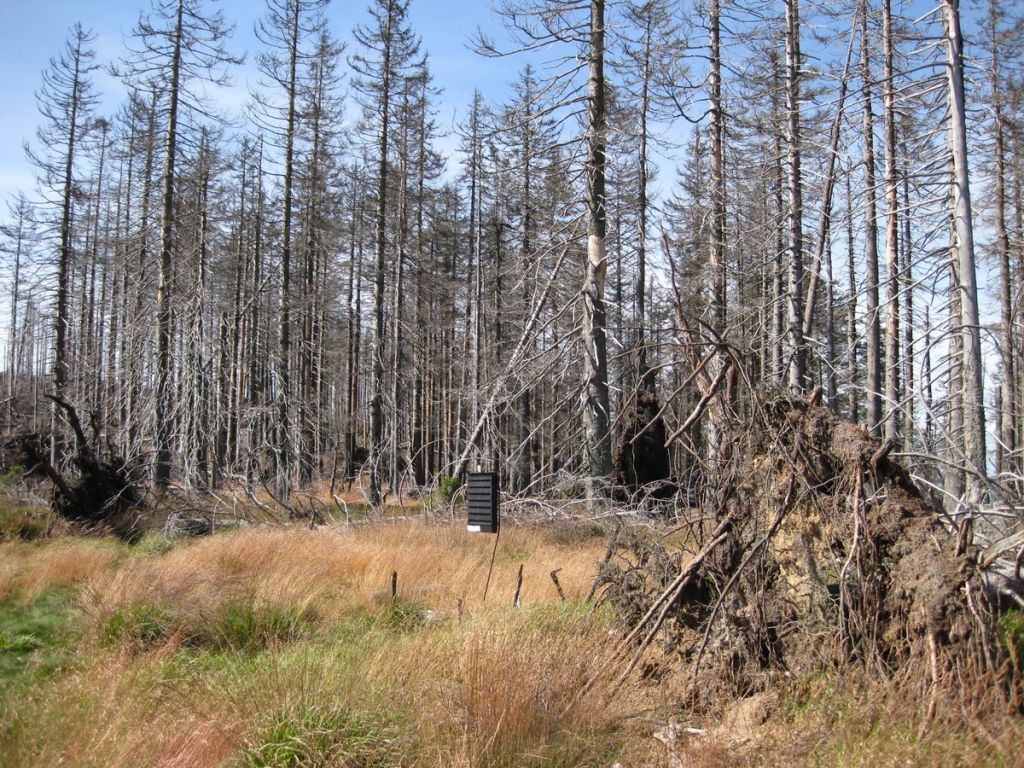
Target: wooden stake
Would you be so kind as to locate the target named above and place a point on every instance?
(519, 585)
(554, 578)
(490, 569)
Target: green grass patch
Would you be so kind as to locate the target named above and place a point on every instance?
(402, 616)
(139, 626)
(326, 735)
(1011, 632)
(243, 627)
(36, 638)
(152, 543)
(237, 626)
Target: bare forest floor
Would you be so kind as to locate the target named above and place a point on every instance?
(283, 646)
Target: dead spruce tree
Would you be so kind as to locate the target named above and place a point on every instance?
(179, 45)
(388, 48)
(66, 101)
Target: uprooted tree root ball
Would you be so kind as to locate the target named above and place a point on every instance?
(100, 495)
(816, 550)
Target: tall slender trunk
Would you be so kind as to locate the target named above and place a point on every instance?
(355, 275)
(524, 461)
(12, 334)
(823, 232)
(873, 385)
(1008, 415)
(794, 201)
(380, 255)
(397, 337)
(284, 441)
(970, 330)
(164, 429)
(778, 260)
(892, 228)
(475, 306)
(596, 417)
(851, 310)
(717, 253)
(907, 288)
(64, 260)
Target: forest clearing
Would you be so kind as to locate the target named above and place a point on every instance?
(282, 647)
(593, 383)
(397, 638)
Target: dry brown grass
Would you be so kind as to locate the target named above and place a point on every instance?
(332, 572)
(28, 568)
(495, 686)
(374, 685)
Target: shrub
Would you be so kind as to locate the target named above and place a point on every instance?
(447, 487)
(14, 473)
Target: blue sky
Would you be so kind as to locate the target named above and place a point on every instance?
(33, 31)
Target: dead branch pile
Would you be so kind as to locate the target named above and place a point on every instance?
(818, 550)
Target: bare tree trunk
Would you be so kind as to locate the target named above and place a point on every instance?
(65, 255)
(284, 447)
(926, 375)
(234, 398)
(380, 254)
(779, 257)
(135, 341)
(524, 459)
(596, 417)
(824, 229)
(851, 310)
(970, 330)
(397, 338)
(907, 282)
(892, 274)
(717, 255)
(475, 314)
(873, 411)
(1008, 414)
(355, 277)
(717, 251)
(954, 479)
(829, 373)
(794, 203)
(164, 429)
(257, 332)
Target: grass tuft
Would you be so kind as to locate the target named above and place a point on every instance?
(138, 627)
(327, 736)
(244, 627)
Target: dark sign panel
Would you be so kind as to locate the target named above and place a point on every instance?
(482, 499)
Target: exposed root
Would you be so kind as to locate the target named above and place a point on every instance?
(820, 552)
